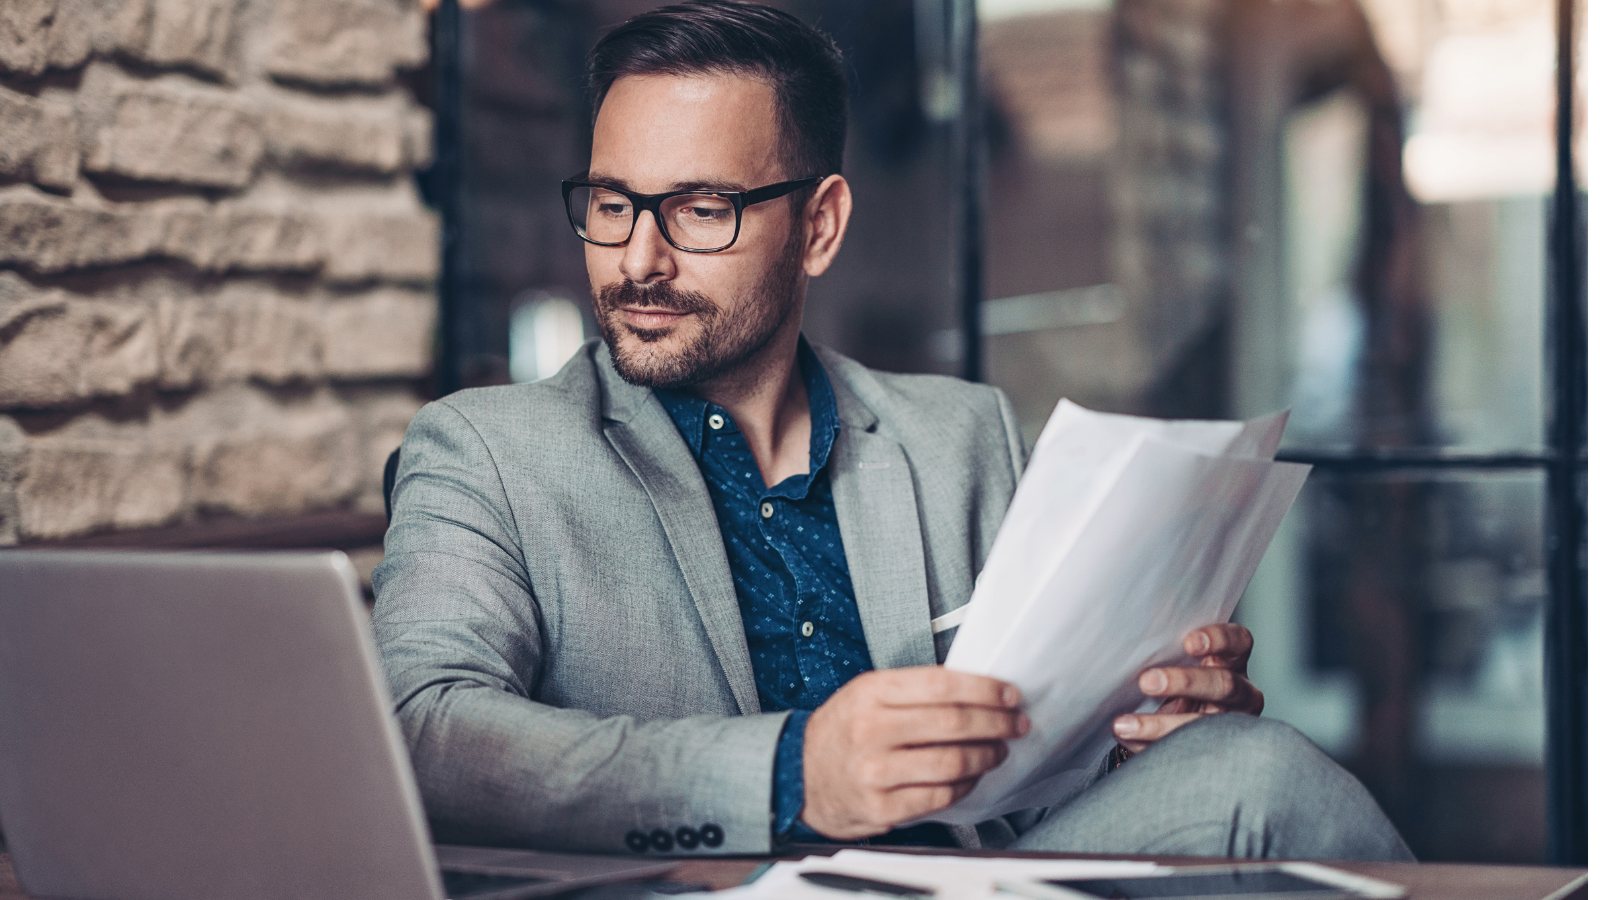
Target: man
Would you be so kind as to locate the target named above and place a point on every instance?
(680, 596)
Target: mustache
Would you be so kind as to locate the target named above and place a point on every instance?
(661, 295)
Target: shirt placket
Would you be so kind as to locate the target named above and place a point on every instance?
(810, 637)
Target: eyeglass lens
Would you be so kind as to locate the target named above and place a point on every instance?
(693, 221)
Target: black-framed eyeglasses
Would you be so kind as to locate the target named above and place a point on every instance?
(692, 221)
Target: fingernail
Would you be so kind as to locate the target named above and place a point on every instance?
(1153, 681)
(1023, 724)
(1010, 696)
(1203, 641)
(1124, 726)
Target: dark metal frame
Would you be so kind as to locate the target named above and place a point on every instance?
(969, 178)
(444, 180)
(1566, 625)
(1564, 463)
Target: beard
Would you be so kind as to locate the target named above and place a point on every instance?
(726, 339)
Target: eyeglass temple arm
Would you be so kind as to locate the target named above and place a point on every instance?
(773, 191)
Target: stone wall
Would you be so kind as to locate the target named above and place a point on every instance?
(216, 276)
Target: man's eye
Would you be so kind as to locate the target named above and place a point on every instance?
(613, 209)
(708, 213)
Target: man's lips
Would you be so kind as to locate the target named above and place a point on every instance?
(650, 316)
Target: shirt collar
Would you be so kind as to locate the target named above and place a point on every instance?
(690, 413)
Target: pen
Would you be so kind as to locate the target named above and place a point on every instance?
(856, 884)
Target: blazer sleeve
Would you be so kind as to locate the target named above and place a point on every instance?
(460, 634)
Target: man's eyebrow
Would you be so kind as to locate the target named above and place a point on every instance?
(709, 184)
(697, 184)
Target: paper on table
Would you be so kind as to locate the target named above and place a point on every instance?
(949, 876)
(1125, 533)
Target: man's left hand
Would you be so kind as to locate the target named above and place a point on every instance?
(1217, 685)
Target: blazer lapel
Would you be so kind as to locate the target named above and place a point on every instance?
(876, 503)
(645, 437)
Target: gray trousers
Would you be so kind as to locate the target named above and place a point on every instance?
(1225, 785)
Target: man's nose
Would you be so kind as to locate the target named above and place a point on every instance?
(647, 257)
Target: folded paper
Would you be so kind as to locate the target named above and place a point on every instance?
(1125, 534)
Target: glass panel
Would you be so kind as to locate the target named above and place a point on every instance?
(1398, 622)
(1201, 214)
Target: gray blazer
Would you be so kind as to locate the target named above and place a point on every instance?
(559, 626)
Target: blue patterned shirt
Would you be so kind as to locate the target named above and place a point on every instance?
(789, 571)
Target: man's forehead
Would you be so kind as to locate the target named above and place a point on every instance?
(680, 132)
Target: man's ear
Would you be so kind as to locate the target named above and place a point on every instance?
(826, 215)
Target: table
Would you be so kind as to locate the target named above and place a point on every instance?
(1427, 881)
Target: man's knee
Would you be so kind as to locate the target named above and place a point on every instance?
(1256, 766)
(1289, 797)
(1263, 746)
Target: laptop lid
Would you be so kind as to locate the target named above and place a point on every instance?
(200, 726)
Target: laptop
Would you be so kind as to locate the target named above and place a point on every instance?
(215, 726)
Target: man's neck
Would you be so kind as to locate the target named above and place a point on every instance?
(767, 398)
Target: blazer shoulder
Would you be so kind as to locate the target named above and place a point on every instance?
(569, 397)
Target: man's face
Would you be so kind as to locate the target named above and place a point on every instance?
(672, 318)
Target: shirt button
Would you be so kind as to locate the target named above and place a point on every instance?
(806, 628)
(766, 510)
(716, 422)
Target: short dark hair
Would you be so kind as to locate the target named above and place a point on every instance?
(803, 66)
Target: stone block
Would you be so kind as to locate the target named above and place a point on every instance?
(418, 138)
(208, 138)
(242, 237)
(75, 485)
(345, 42)
(194, 34)
(383, 334)
(46, 234)
(194, 335)
(381, 245)
(12, 452)
(346, 134)
(302, 457)
(59, 349)
(38, 141)
(36, 35)
(238, 335)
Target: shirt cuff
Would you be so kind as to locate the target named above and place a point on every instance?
(789, 781)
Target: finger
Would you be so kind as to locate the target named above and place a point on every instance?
(910, 803)
(1139, 731)
(936, 685)
(922, 725)
(1221, 686)
(938, 764)
(1229, 642)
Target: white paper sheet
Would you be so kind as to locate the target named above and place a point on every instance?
(951, 877)
(1125, 534)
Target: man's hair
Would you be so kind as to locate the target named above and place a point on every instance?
(711, 37)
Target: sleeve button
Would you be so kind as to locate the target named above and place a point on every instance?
(711, 834)
(637, 841)
(688, 838)
(661, 840)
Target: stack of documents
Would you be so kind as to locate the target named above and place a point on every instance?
(1125, 534)
(942, 876)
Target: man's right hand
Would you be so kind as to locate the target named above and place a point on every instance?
(895, 745)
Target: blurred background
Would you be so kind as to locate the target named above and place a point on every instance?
(221, 296)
